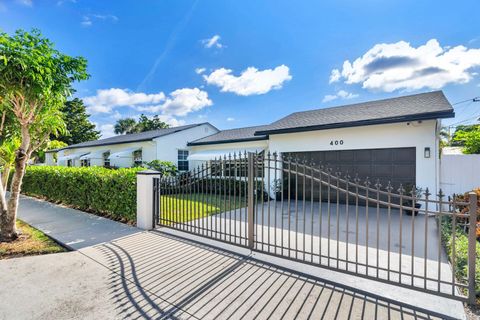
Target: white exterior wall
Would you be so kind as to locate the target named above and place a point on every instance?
(168, 146)
(459, 173)
(148, 153)
(236, 146)
(396, 135)
(49, 160)
(161, 148)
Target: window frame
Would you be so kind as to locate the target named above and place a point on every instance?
(137, 157)
(106, 161)
(182, 160)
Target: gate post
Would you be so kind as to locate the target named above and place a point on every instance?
(250, 198)
(145, 199)
(472, 243)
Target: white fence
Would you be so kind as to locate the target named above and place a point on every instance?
(459, 173)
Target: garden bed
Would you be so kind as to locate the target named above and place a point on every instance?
(30, 242)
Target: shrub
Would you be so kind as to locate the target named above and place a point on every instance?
(102, 191)
(166, 168)
(461, 251)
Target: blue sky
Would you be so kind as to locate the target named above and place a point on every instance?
(242, 63)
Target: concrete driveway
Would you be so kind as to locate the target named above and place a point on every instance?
(153, 275)
(336, 234)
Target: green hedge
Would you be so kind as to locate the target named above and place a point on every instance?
(461, 251)
(106, 192)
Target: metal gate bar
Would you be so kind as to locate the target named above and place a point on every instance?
(303, 211)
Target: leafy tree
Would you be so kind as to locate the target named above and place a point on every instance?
(53, 144)
(470, 140)
(129, 125)
(125, 126)
(166, 168)
(147, 124)
(461, 129)
(35, 81)
(9, 143)
(79, 128)
(7, 158)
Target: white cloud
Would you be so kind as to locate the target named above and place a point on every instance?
(389, 67)
(173, 122)
(335, 76)
(107, 99)
(230, 119)
(87, 20)
(27, 3)
(106, 130)
(200, 70)
(61, 2)
(341, 94)
(251, 81)
(329, 97)
(212, 42)
(181, 102)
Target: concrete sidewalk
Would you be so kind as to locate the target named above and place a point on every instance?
(73, 228)
(122, 272)
(151, 275)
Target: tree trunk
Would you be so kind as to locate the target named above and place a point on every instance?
(8, 230)
(3, 207)
(5, 176)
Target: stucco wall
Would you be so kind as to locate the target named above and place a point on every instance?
(418, 135)
(168, 146)
(148, 153)
(237, 146)
(49, 159)
(162, 148)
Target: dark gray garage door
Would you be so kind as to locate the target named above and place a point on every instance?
(396, 165)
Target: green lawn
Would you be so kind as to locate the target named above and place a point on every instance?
(30, 242)
(180, 208)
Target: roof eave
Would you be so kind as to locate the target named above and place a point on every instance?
(418, 117)
(138, 140)
(259, 138)
(107, 144)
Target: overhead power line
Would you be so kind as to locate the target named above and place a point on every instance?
(475, 115)
(475, 99)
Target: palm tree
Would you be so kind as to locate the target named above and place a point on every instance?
(125, 126)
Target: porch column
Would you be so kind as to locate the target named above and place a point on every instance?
(145, 205)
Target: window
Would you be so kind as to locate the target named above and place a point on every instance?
(137, 157)
(216, 168)
(106, 161)
(182, 160)
(85, 163)
(69, 163)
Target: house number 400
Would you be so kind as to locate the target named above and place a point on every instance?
(336, 142)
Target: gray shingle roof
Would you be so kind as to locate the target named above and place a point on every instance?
(431, 105)
(134, 137)
(231, 135)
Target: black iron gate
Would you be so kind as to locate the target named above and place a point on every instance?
(269, 203)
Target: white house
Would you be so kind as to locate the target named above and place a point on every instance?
(168, 144)
(393, 140)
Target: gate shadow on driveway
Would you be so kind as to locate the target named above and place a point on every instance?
(154, 275)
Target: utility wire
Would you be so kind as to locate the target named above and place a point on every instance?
(472, 100)
(475, 99)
